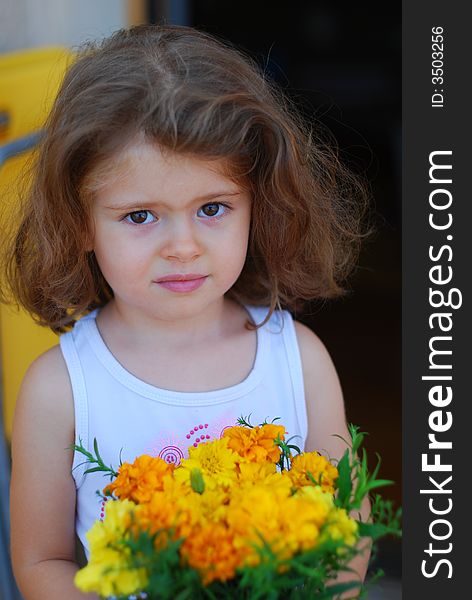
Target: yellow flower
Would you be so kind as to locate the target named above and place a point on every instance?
(254, 512)
(138, 481)
(317, 466)
(316, 494)
(212, 505)
(256, 444)
(300, 524)
(214, 459)
(253, 471)
(264, 474)
(316, 506)
(107, 572)
(340, 526)
(289, 523)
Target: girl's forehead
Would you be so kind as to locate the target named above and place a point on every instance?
(143, 163)
(137, 153)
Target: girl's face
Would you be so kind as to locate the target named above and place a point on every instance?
(173, 216)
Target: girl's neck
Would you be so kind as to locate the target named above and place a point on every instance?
(142, 333)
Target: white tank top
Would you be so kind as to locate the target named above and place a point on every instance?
(129, 417)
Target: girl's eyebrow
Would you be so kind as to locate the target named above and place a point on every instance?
(142, 205)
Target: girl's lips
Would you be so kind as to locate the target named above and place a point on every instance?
(187, 285)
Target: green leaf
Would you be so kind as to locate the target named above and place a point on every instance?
(95, 447)
(344, 482)
(377, 530)
(81, 450)
(377, 466)
(378, 483)
(196, 481)
(94, 470)
(357, 438)
(245, 421)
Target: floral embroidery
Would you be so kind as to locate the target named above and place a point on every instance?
(200, 432)
(224, 429)
(172, 455)
(173, 447)
(102, 508)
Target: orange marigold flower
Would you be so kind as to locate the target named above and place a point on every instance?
(180, 509)
(316, 465)
(211, 551)
(138, 481)
(162, 513)
(256, 444)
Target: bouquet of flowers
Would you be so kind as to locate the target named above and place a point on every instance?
(244, 516)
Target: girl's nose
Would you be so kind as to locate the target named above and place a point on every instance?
(181, 241)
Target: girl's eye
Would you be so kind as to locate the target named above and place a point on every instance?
(215, 209)
(140, 217)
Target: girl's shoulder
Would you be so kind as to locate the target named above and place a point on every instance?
(316, 361)
(45, 391)
(323, 395)
(311, 348)
(308, 341)
(49, 368)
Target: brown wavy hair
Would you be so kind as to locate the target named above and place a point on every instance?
(191, 93)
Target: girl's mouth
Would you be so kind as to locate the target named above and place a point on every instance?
(186, 285)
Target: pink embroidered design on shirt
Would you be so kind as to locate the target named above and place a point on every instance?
(172, 455)
(173, 447)
(102, 508)
(198, 434)
(224, 429)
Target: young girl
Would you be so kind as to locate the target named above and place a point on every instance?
(180, 210)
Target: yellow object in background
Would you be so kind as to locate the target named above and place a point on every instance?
(29, 81)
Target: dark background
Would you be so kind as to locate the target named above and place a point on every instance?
(341, 63)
